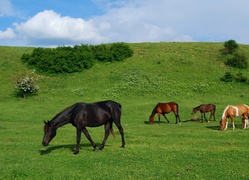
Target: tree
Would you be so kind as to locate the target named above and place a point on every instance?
(230, 47)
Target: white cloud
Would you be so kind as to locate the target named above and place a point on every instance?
(50, 25)
(8, 34)
(141, 21)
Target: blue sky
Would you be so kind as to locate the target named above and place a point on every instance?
(71, 22)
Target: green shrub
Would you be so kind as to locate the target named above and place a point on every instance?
(228, 77)
(234, 56)
(25, 85)
(240, 78)
(102, 53)
(74, 59)
(230, 47)
(237, 60)
(121, 51)
(61, 59)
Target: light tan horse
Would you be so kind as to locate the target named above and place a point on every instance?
(232, 111)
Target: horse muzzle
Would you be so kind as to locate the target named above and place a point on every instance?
(45, 143)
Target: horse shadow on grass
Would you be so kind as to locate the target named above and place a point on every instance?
(171, 122)
(71, 147)
(213, 127)
(155, 122)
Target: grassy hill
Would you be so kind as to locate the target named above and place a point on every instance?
(187, 73)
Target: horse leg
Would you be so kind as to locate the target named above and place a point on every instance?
(78, 138)
(202, 116)
(232, 119)
(121, 131)
(107, 133)
(211, 114)
(165, 117)
(177, 118)
(89, 138)
(158, 118)
(244, 123)
(205, 117)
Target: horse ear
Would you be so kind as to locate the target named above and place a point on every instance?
(45, 122)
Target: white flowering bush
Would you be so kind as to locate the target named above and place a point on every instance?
(25, 85)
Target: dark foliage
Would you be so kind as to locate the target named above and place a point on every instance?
(233, 56)
(228, 77)
(237, 60)
(102, 53)
(74, 59)
(121, 51)
(230, 47)
(240, 78)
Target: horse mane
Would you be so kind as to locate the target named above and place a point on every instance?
(198, 106)
(63, 113)
(154, 111)
(223, 115)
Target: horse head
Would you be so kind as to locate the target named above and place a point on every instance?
(49, 133)
(151, 119)
(194, 111)
(223, 125)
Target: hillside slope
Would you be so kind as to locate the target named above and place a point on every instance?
(187, 73)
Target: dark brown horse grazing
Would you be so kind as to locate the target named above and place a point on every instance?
(82, 115)
(233, 111)
(165, 108)
(204, 108)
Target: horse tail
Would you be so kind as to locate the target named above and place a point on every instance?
(113, 133)
(177, 109)
(214, 108)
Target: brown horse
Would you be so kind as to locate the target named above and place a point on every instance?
(232, 111)
(204, 108)
(165, 108)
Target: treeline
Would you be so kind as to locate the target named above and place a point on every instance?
(75, 59)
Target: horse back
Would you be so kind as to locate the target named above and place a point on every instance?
(167, 107)
(207, 108)
(243, 109)
(96, 114)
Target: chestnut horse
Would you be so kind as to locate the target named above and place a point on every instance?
(82, 115)
(165, 108)
(232, 111)
(204, 108)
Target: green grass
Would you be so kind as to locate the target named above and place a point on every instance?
(187, 73)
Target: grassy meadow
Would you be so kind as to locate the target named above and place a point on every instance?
(187, 73)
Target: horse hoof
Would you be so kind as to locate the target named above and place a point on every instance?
(75, 152)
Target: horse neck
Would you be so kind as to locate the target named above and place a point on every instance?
(153, 113)
(60, 120)
(224, 115)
